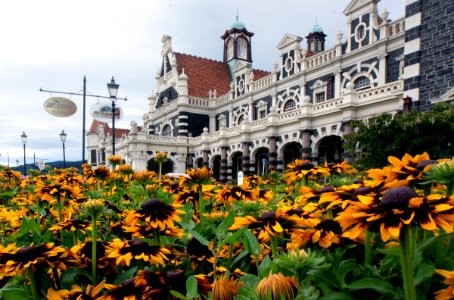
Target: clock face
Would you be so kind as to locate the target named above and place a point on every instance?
(242, 48)
(230, 49)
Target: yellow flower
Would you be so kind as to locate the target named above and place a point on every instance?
(277, 287)
(114, 159)
(161, 156)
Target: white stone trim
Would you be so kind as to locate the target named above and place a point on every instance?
(413, 21)
(412, 46)
(411, 70)
(413, 94)
(407, 2)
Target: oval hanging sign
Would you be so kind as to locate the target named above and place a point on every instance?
(60, 107)
(103, 112)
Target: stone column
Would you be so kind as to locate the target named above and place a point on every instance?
(307, 150)
(205, 158)
(245, 159)
(223, 176)
(272, 154)
(347, 130)
(190, 161)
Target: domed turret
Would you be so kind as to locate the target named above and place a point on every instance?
(237, 43)
(238, 25)
(316, 39)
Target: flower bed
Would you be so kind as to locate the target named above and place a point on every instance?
(314, 232)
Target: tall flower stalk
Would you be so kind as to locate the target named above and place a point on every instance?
(94, 207)
(161, 157)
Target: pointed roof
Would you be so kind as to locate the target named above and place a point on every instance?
(288, 39)
(356, 4)
(119, 132)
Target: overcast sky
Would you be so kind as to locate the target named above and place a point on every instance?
(52, 44)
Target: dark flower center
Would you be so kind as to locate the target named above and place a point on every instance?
(306, 165)
(329, 225)
(326, 189)
(398, 197)
(364, 190)
(425, 163)
(268, 216)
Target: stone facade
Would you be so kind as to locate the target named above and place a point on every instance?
(231, 117)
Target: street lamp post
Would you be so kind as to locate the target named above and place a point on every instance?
(24, 141)
(112, 87)
(17, 164)
(63, 139)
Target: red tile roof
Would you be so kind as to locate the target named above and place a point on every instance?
(206, 74)
(119, 132)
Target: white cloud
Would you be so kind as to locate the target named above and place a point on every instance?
(52, 44)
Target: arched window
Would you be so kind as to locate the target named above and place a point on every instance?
(241, 48)
(240, 119)
(289, 105)
(362, 83)
(166, 130)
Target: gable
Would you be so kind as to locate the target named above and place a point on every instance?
(288, 40)
(357, 4)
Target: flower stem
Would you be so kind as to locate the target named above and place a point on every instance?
(93, 249)
(35, 294)
(60, 208)
(368, 249)
(450, 189)
(407, 252)
(273, 241)
(160, 170)
(201, 203)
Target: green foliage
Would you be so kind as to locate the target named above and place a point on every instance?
(411, 132)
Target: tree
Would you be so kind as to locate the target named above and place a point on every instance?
(411, 132)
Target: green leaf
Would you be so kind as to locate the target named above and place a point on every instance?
(70, 275)
(423, 271)
(234, 237)
(191, 288)
(337, 296)
(129, 273)
(252, 243)
(375, 284)
(222, 229)
(264, 267)
(177, 294)
(240, 257)
(346, 267)
(199, 237)
(10, 292)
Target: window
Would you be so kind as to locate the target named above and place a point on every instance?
(262, 114)
(360, 32)
(288, 64)
(362, 83)
(230, 49)
(166, 131)
(240, 119)
(320, 97)
(242, 48)
(289, 105)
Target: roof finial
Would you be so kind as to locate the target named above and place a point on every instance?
(316, 23)
(237, 13)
